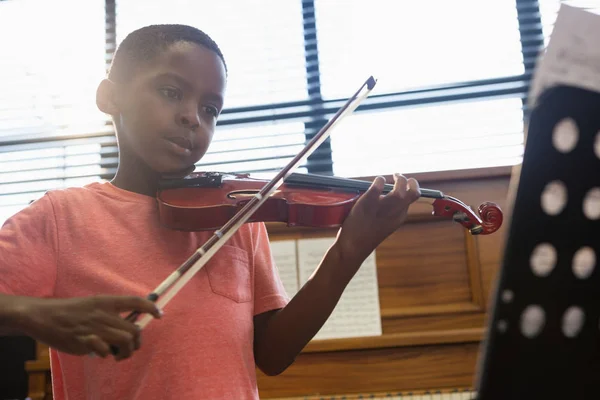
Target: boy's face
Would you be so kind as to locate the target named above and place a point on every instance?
(168, 111)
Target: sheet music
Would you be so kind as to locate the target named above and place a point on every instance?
(284, 255)
(572, 56)
(357, 313)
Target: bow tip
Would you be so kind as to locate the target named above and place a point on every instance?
(371, 82)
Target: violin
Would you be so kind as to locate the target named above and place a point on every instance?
(207, 200)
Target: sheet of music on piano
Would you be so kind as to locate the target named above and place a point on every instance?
(357, 314)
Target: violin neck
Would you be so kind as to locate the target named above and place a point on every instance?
(332, 182)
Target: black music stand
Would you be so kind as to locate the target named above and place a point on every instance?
(543, 338)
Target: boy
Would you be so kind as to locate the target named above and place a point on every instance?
(164, 92)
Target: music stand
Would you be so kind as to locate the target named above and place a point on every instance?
(543, 332)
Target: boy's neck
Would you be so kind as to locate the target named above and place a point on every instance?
(138, 186)
(136, 178)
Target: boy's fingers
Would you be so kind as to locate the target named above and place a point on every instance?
(137, 342)
(414, 188)
(405, 192)
(375, 189)
(135, 303)
(124, 340)
(97, 345)
(400, 185)
(113, 323)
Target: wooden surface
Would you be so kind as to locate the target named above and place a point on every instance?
(435, 281)
(379, 370)
(434, 285)
(38, 371)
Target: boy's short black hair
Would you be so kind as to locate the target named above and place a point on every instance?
(143, 44)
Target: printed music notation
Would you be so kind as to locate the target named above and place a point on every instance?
(357, 313)
(572, 56)
(285, 257)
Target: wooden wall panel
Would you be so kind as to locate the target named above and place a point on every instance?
(408, 277)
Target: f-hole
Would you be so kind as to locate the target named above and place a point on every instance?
(242, 194)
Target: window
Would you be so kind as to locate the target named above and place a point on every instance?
(460, 135)
(414, 44)
(48, 74)
(50, 128)
(408, 47)
(452, 84)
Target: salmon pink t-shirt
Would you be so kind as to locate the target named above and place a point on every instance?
(100, 239)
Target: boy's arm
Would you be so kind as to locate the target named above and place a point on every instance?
(10, 324)
(280, 335)
(76, 325)
(28, 263)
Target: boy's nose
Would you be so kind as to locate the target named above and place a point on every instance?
(189, 119)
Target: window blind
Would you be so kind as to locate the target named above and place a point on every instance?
(463, 69)
(415, 44)
(50, 129)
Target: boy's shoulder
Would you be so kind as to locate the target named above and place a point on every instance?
(98, 191)
(85, 199)
(45, 208)
(66, 194)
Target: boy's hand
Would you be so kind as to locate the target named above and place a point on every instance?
(374, 217)
(85, 325)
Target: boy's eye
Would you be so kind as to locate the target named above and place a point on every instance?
(170, 93)
(211, 111)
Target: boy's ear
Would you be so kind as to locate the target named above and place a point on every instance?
(106, 96)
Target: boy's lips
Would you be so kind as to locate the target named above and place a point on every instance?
(181, 141)
(180, 145)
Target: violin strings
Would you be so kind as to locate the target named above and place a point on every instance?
(347, 183)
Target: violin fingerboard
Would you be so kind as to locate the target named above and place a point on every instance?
(543, 337)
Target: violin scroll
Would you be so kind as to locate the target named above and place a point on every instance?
(488, 221)
(491, 216)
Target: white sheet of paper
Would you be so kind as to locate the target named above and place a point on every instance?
(284, 255)
(357, 313)
(572, 56)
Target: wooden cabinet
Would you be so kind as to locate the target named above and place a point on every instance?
(434, 283)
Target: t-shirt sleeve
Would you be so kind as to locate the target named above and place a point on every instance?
(28, 251)
(269, 293)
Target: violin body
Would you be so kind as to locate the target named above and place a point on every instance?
(207, 200)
